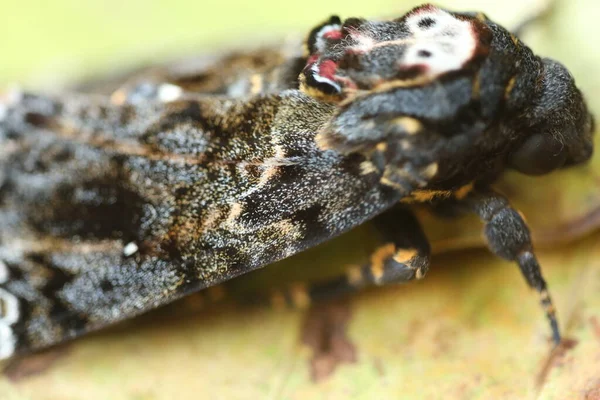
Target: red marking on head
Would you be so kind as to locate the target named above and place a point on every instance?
(312, 59)
(327, 69)
(475, 35)
(333, 35)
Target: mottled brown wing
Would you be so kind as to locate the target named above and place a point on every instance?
(107, 211)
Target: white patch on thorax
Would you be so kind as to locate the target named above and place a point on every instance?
(443, 44)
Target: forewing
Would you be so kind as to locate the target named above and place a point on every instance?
(108, 210)
(233, 73)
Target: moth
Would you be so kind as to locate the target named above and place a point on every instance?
(180, 179)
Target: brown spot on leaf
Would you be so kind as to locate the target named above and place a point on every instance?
(378, 364)
(324, 332)
(594, 392)
(33, 364)
(575, 228)
(595, 326)
(555, 359)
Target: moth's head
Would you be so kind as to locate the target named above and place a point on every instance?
(440, 85)
(358, 55)
(559, 127)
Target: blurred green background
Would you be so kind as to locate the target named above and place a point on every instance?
(48, 43)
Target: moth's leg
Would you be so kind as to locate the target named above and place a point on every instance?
(508, 237)
(404, 257)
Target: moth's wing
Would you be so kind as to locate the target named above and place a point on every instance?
(233, 73)
(108, 211)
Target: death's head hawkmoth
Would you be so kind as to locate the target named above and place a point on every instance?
(113, 205)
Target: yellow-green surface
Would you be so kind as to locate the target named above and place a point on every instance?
(470, 330)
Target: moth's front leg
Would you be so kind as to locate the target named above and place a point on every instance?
(403, 257)
(508, 237)
(542, 11)
(388, 145)
(404, 131)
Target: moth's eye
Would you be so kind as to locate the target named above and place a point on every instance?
(539, 155)
(319, 79)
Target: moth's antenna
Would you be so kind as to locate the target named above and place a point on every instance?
(544, 9)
